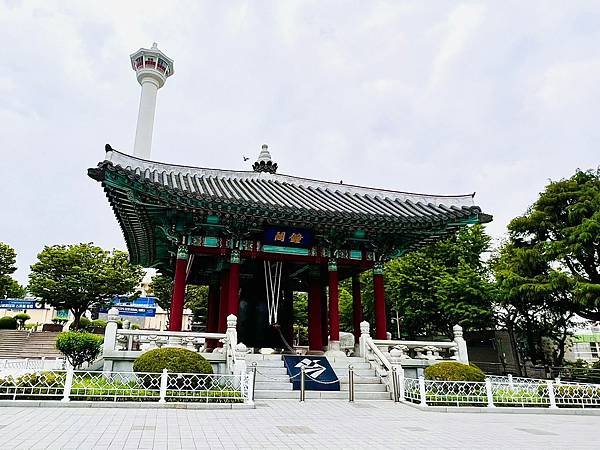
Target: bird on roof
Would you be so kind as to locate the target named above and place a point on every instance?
(245, 158)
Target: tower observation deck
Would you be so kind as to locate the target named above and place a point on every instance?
(152, 68)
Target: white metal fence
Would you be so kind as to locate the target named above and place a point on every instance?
(499, 392)
(79, 385)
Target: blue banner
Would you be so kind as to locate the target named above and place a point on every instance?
(134, 311)
(288, 237)
(319, 375)
(18, 303)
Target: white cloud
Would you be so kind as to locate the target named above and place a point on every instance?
(439, 98)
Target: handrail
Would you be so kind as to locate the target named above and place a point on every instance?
(379, 354)
(171, 333)
(440, 344)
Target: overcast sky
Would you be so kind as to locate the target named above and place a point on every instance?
(433, 97)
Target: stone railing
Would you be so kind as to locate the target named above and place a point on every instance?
(398, 352)
(126, 344)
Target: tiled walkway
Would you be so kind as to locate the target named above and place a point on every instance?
(289, 424)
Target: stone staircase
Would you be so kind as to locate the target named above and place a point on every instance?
(22, 344)
(273, 381)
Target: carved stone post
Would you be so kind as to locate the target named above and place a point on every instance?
(110, 338)
(463, 355)
(365, 335)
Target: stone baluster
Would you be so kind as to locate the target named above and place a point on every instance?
(240, 358)
(365, 335)
(110, 337)
(230, 340)
(461, 344)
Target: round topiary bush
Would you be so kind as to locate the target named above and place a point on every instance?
(177, 360)
(454, 371)
(8, 323)
(79, 347)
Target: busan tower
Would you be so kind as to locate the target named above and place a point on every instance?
(152, 68)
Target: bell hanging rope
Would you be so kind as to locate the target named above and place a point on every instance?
(273, 287)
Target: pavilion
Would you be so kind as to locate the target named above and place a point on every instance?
(254, 237)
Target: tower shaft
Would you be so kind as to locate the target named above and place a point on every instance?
(145, 123)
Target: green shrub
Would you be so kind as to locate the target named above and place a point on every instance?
(84, 323)
(22, 316)
(175, 360)
(99, 323)
(454, 371)
(79, 347)
(8, 323)
(179, 360)
(59, 320)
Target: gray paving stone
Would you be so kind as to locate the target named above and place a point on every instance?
(289, 424)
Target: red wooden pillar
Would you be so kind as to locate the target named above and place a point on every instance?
(334, 309)
(379, 294)
(234, 284)
(212, 319)
(324, 317)
(178, 298)
(356, 306)
(223, 294)
(315, 341)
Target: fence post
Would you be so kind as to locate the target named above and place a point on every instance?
(551, 394)
(401, 384)
(510, 381)
(43, 362)
(164, 381)
(364, 336)
(461, 344)
(394, 375)
(489, 393)
(68, 385)
(422, 391)
(27, 363)
(302, 386)
(251, 377)
(350, 383)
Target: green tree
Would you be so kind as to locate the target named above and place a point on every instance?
(162, 288)
(536, 303)
(78, 277)
(12, 289)
(441, 285)
(563, 226)
(9, 286)
(196, 297)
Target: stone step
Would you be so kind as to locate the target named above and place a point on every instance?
(266, 363)
(357, 372)
(331, 395)
(273, 378)
(259, 357)
(270, 371)
(361, 379)
(273, 386)
(343, 365)
(364, 387)
(349, 359)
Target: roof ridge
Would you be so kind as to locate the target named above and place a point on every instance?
(251, 174)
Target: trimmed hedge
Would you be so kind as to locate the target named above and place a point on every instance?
(178, 360)
(79, 347)
(454, 371)
(8, 323)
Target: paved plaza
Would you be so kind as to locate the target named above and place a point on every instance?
(289, 424)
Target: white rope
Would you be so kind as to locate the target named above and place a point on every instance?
(273, 287)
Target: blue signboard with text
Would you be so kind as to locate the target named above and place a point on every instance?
(18, 303)
(288, 237)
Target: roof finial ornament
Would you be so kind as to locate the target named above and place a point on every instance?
(264, 162)
(154, 46)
